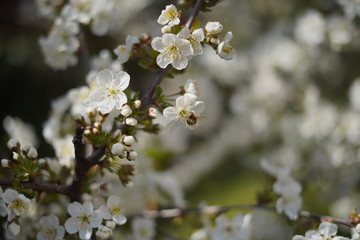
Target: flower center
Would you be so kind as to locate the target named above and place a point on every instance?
(171, 14)
(115, 211)
(83, 220)
(173, 52)
(183, 113)
(18, 204)
(49, 232)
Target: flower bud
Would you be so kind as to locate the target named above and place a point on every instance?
(25, 149)
(213, 27)
(13, 144)
(87, 132)
(32, 153)
(5, 163)
(95, 131)
(110, 224)
(16, 156)
(152, 112)
(137, 104)
(97, 125)
(213, 41)
(131, 121)
(128, 140)
(126, 110)
(357, 228)
(132, 156)
(117, 149)
(166, 29)
(14, 228)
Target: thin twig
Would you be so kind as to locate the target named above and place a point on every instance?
(37, 186)
(177, 212)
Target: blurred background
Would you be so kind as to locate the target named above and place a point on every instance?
(290, 95)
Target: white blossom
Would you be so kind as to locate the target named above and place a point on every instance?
(186, 111)
(83, 219)
(326, 231)
(112, 210)
(191, 87)
(173, 50)
(143, 228)
(170, 15)
(310, 28)
(131, 121)
(107, 91)
(124, 51)
(195, 38)
(126, 110)
(236, 229)
(50, 229)
(224, 49)
(17, 203)
(104, 232)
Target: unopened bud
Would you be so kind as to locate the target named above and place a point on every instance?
(95, 131)
(16, 156)
(32, 153)
(25, 149)
(126, 111)
(110, 224)
(14, 228)
(13, 144)
(97, 125)
(166, 29)
(153, 112)
(213, 27)
(132, 156)
(214, 41)
(131, 121)
(5, 163)
(117, 149)
(128, 140)
(87, 132)
(137, 104)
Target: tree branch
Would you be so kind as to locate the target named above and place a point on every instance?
(177, 212)
(37, 186)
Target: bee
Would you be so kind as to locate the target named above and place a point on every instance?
(192, 119)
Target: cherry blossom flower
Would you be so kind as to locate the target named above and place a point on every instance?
(124, 51)
(326, 231)
(224, 50)
(50, 229)
(16, 203)
(186, 111)
(83, 219)
(170, 15)
(195, 38)
(112, 210)
(107, 91)
(173, 50)
(143, 228)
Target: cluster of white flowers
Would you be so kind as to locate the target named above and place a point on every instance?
(289, 189)
(60, 46)
(326, 231)
(13, 205)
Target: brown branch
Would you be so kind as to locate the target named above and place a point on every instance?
(37, 186)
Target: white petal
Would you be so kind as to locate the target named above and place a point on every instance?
(157, 44)
(185, 47)
(198, 34)
(85, 233)
(123, 78)
(228, 37)
(70, 226)
(119, 219)
(184, 33)
(180, 63)
(104, 212)
(198, 108)
(9, 195)
(88, 207)
(105, 76)
(170, 113)
(163, 60)
(328, 229)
